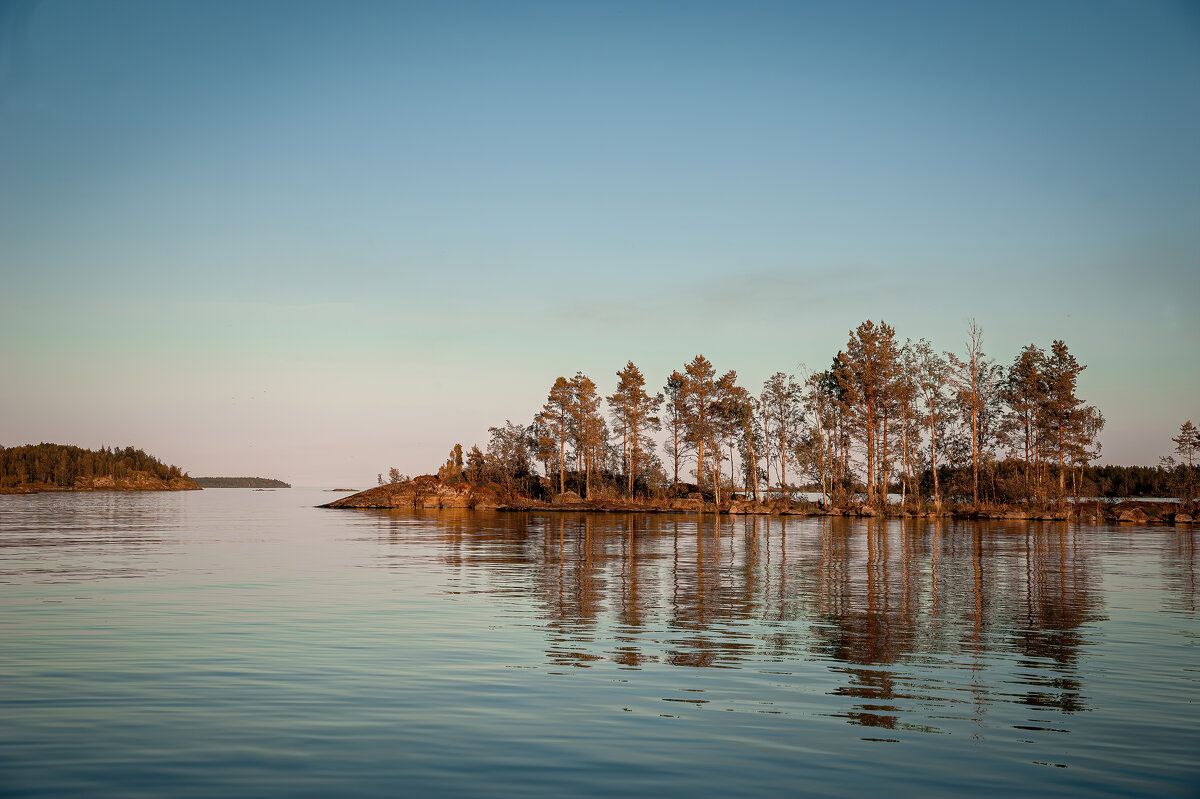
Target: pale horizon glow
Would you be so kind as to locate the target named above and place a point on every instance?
(311, 241)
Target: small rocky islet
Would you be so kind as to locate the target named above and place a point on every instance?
(429, 492)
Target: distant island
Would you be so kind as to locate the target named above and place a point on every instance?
(32, 468)
(239, 482)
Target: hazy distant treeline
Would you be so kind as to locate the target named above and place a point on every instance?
(60, 464)
(239, 482)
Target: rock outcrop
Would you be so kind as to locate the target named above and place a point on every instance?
(420, 492)
(429, 492)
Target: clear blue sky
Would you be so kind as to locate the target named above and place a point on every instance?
(315, 240)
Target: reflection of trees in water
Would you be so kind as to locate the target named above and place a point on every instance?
(570, 589)
(873, 597)
(902, 592)
(865, 613)
(1179, 570)
(1058, 601)
(631, 607)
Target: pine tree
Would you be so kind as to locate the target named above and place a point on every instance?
(699, 394)
(819, 399)
(556, 416)
(728, 408)
(739, 428)
(1025, 392)
(1062, 406)
(1187, 446)
(676, 411)
(634, 410)
(908, 407)
(451, 471)
(584, 413)
(866, 370)
(475, 464)
(780, 403)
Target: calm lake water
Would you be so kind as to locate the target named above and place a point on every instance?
(241, 643)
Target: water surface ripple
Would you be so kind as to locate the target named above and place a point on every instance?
(241, 643)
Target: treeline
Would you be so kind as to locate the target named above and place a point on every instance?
(1173, 477)
(1005, 478)
(886, 416)
(239, 482)
(60, 465)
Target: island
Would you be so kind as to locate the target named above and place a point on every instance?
(33, 468)
(891, 428)
(240, 482)
(428, 492)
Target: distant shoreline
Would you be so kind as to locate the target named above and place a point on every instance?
(135, 483)
(240, 482)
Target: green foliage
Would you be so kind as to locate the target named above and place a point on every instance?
(884, 418)
(476, 463)
(509, 456)
(1187, 447)
(634, 415)
(61, 465)
(674, 422)
(452, 470)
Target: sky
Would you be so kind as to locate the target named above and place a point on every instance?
(315, 240)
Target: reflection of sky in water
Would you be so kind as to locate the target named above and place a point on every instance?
(525, 654)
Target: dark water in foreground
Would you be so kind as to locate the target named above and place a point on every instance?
(241, 643)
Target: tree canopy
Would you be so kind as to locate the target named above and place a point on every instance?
(887, 416)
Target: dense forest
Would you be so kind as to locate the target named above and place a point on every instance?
(239, 482)
(62, 465)
(1110, 482)
(886, 417)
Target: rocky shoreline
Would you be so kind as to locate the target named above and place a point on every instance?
(429, 493)
(138, 481)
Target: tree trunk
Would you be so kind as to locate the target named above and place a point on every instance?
(871, 455)
(975, 454)
(1061, 477)
(632, 460)
(782, 452)
(753, 470)
(562, 460)
(883, 460)
(716, 473)
(937, 494)
(675, 452)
